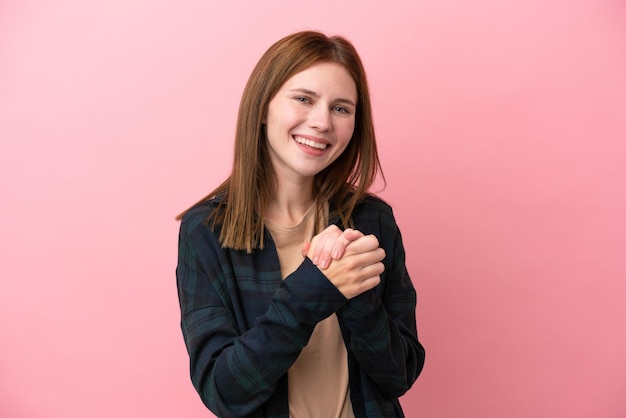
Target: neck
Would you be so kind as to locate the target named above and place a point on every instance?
(290, 202)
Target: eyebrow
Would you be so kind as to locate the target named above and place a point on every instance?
(314, 94)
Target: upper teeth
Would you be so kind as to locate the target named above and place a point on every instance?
(310, 143)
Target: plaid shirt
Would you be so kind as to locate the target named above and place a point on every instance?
(244, 326)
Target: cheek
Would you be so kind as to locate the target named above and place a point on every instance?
(346, 131)
(273, 125)
(283, 119)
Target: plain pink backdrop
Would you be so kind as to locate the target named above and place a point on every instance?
(502, 131)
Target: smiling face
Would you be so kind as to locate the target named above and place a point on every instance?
(310, 121)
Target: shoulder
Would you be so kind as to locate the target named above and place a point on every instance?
(374, 216)
(200, 213)
(373, 207)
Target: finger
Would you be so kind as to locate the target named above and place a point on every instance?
(375, 269)
(339, 247)
(369, 283)
(321, 246)
(369, 261)
(363, 244)
(325, 256)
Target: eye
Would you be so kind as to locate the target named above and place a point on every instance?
(302, 99)
(341, 109)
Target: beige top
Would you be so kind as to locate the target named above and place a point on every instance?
(318, 380)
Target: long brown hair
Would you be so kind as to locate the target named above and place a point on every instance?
(246, 193)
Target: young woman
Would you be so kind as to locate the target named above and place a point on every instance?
(294, 296)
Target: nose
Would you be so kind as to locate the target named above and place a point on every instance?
(319, 118)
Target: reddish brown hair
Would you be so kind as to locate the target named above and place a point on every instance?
(248, 190)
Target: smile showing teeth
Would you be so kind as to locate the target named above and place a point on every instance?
(310, 143)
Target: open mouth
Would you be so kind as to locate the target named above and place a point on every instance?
(310, 143)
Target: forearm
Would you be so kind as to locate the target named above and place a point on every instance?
(384, 343)
(235, 374)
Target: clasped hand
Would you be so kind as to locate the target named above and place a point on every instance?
(351, 261)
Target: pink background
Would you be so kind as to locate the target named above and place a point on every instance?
(502, 128)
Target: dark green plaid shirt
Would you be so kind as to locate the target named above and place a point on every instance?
(244, 326)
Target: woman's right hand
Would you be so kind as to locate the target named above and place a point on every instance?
(329, 245)
(360, 264)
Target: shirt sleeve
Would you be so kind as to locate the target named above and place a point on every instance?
(381, 322)
(236, 370)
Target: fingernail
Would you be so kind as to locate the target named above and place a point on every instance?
(315, 260)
